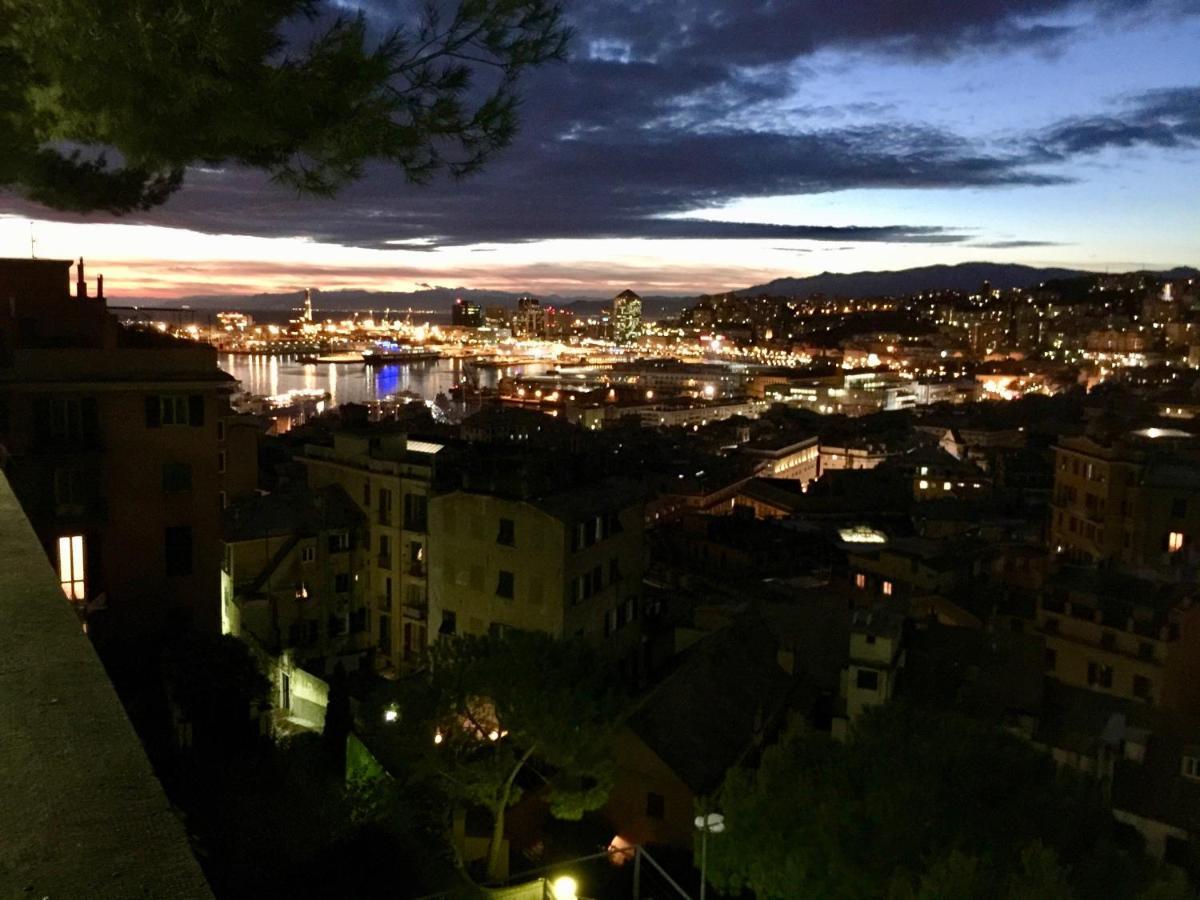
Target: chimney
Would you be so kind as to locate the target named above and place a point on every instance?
(80, 283)
(99, 287)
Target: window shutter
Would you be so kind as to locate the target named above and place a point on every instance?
(91, 420)
(196, 410)
(153, 412)
(41, 421)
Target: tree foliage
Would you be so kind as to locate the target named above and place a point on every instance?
(522, 711)
(160, 85)
(919, 804)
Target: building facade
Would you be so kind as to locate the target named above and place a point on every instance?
(390, 478)
(119, 447)
(569, 564)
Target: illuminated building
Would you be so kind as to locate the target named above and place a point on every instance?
(626, 317)
(121, 452)
(786, 458)
(529, 320)
(466, 314)
(292, 590)
(1134, 499)
(389, 477)
(566, 563)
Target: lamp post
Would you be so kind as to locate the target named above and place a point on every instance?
(713, 823)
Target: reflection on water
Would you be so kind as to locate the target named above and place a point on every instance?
(356, 382)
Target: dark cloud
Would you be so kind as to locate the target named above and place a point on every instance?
(744, 33)
(1013, 245)
(1167, 118)
(608, 184)
(646, 128)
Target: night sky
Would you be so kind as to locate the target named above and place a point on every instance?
(697, 145)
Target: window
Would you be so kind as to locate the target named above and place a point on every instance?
(1051, 626)
(1191, 767)
(385, 634)
(341, 583)
(221, 462)
(614, 570)
(223, 498)
(416, 512)
(220, 429)
(656, 805)
(308, 554)
(598, 579)
(1143, 688)
(887, 589)
(1051, 659)
(1145, 650)
(66, 418)
(1108, 640)
(385, 551)
(867, 680)
(504, 585)
(367, 495)
(70, 490)
(508, 533)
(339, 542)
(1174, 541)
(860, 581)
(449, 622)
(1179, 508)
(1100, 675)
(176, 478)
(385, 506)
(71, 567)
(174, 409)
(178, 550)
(387, 593)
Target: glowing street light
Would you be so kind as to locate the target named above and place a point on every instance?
(713, 823)
(564, 888)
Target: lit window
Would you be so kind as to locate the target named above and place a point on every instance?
(860, 581)
(945, 485)
(1175, 541)
(71, 568)
(887, 589)
(1191, 767)
(924, 485)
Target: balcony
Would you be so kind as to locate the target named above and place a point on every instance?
(83, 775)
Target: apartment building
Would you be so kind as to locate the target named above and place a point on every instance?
(119, 448)
(389, 476)
(567, 563)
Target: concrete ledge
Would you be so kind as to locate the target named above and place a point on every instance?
(81, 812)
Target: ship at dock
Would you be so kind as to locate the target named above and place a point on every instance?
(387, 353)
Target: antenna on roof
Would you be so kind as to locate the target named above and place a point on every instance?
(32, 241)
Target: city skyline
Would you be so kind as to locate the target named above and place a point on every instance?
(716, 147)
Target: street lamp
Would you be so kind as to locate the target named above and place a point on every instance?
(713, 823)
(564, 888)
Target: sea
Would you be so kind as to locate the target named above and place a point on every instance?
(356, 382)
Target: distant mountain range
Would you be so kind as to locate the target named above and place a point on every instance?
(962, 277)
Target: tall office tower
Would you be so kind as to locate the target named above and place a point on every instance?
(626, 317)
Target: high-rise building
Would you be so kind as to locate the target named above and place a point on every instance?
(119, 451)
(466, 314)
(530, 318)
(626, 317)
